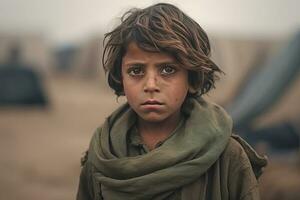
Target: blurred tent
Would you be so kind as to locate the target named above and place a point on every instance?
(82, 60)
(88, 63)
(65, 57)
(267, 84)
(261, 90)
(279, 138)
(34, 47)
(20, 84)
(237, 56)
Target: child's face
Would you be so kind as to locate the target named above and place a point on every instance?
(154, 84)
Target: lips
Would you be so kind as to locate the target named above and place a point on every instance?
(152, 102)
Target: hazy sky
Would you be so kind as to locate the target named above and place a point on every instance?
(70, 20)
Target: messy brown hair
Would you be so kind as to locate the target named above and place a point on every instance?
(161, 28)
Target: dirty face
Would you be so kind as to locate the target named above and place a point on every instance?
(155, 85)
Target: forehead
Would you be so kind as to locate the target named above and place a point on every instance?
(134, 52)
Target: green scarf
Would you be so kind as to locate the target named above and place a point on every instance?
(182, 159)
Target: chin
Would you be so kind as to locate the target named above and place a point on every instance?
(153, 118)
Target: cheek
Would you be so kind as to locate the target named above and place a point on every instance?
(180, 88)
(126, 83)
(178, 94)
(130, 91)
(127, 90)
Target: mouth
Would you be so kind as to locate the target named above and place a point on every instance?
(152, 102)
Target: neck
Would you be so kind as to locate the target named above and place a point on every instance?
(154, 132)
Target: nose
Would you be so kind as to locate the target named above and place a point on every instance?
(151, 83)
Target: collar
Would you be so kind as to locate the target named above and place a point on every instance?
(135, 139)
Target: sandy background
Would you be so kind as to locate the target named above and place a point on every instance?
(41, 148)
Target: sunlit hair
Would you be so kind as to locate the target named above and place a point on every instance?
(161, 28)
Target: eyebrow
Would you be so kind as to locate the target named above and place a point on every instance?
(141, 63)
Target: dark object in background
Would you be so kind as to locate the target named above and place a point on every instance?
(19, 84)
(280, 137)
(65, 58)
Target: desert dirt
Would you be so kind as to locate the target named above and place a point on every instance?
(41, 148)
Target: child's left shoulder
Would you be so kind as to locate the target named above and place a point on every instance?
(238, 154)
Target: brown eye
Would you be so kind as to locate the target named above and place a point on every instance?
(135, 71)
(166, 70)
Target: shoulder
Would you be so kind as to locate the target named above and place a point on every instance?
(233, 173)
(234, 156)
(86, 156)
(239, 168)
(239, 155)
(233, 161)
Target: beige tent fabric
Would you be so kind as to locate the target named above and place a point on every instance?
(237, 58)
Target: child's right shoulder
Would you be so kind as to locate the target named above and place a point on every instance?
(95, 139)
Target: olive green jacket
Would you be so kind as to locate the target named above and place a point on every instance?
(232, 177)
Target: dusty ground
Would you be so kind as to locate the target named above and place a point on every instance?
(40, 149)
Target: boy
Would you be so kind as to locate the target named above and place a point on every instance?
(166, 142)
